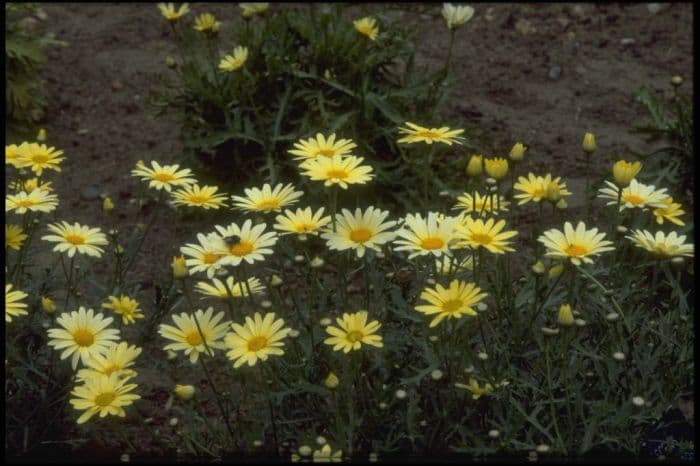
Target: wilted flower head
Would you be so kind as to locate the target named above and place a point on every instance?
(170, 13)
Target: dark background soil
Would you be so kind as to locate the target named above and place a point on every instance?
(97, 89)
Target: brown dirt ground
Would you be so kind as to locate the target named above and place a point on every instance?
(97, 88)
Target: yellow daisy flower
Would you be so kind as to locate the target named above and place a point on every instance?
(415, 133)
(247, 243)
(267, 199)
(360, 231)
(326, 455)
(30, 185)
(458, 299)
(577, 245)
(116, 360)
(320, 146)
(76, 238)
(255, 8)
(235, 61)
(670, 211)
(170, 13)
(187, 336)
(13, 154)
(302, 222)
(196, 196)
(35, 201)
(13, 303)
(423, 236)
(476, 389)
(481, 205)
(496, 168)
(39, 157)
(670, 245)
(367, 26)
(103, 394)
(127, 307)
(535, 188)
(14, 237)
(206, 22)
(205, 256)
(83, 334)
(354, 330)
(238, 289)
(477, 233)
(337, 170)
(163, 177)
(257, 339)
(635, 195)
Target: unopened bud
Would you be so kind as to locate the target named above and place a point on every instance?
(266, 304)
(638, 401)
(185, 392)
(179, 268)
(48, 305)
(316, 262)
(293, 333)
(491, 181)
(400, 394)
(538, 268)
(474, 168)
(588, 144)
(622, 229)
(565, 317)
(555, 271)
(561, 204)
(107, 205)
(321, 440)
(326, 321)
(483, 356)
(481, 307)
(542, 448)
(580, 322)
(517, 153)
(305, 450)
(170, 62)
(276, 280)
(613, 316)
(676, 81)
(331, 381)
(41, 136)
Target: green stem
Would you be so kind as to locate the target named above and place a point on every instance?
(551, 393)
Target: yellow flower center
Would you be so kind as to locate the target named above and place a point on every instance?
(452, 305)
(432, 243)
(337, 174)
(84, 337)
(633, 199)
(194, 338)
(360, 235)
(210, 258)
(40, 158)
(355, 335)
(538, 192)
(428, 134)
(75, 238)
(163, 177)
(198, 199)
(304, 227)
(25, 203)
(109, 369)
(257, 343)
(105, 399)
(242, 249)
(269, 204)
(576, 250)
(481, 238)
(326, 152)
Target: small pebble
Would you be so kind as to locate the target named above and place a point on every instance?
(554, 72)
(90, 193)
(627, 41)
(654, 8)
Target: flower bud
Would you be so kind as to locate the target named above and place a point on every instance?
(48, 305)
(612, 317)
(170, 62)
(373, 457)
(497, 167)
(555, 271)
(618, 356)
(305, 450)
(561, 204)
(474, 167)
(400, 394)
(538, 268)
(179, 268)
(185, 392)
(276, 280)
(517, 153)
(550, 331)
(638, 401)
(107, 205)
(622, 229)
(436, 374)
(383, 405)
(492, 182)
(41, 136)
(566, 316)
(170, 354)
(331, 381)
(624, 172)
(316, 262)
(676, 81)
(589, 146)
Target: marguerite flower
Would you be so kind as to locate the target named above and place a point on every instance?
(36, 201)
(83, 334)
(170, 13)
(30, 185)
(326, 455)
(360, 231)
(337, 170)
(196, 196)
(415, 133)
(163, 177)
(206, 22)
(477, 233)
(367, 26)
(476, 390)
(247, 243)
(254, 8)
(455, 16)
(235, 61)
(229, 288)
(577, 245)
(257, 339)
(670, 245)
(481, 205)
(39, 157)
(320, 146)
(205, 256)
(635, 195)
(76, 238)
(352, 331)
(14, 237)
(186, 333)
(302, 222)
(423, 236)
(670, 211)
(13, 303)
(535, 188)
(267, 199)
(128, 308)
(13, 154)
(456, 300)
(117, 359)
(103, 394)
